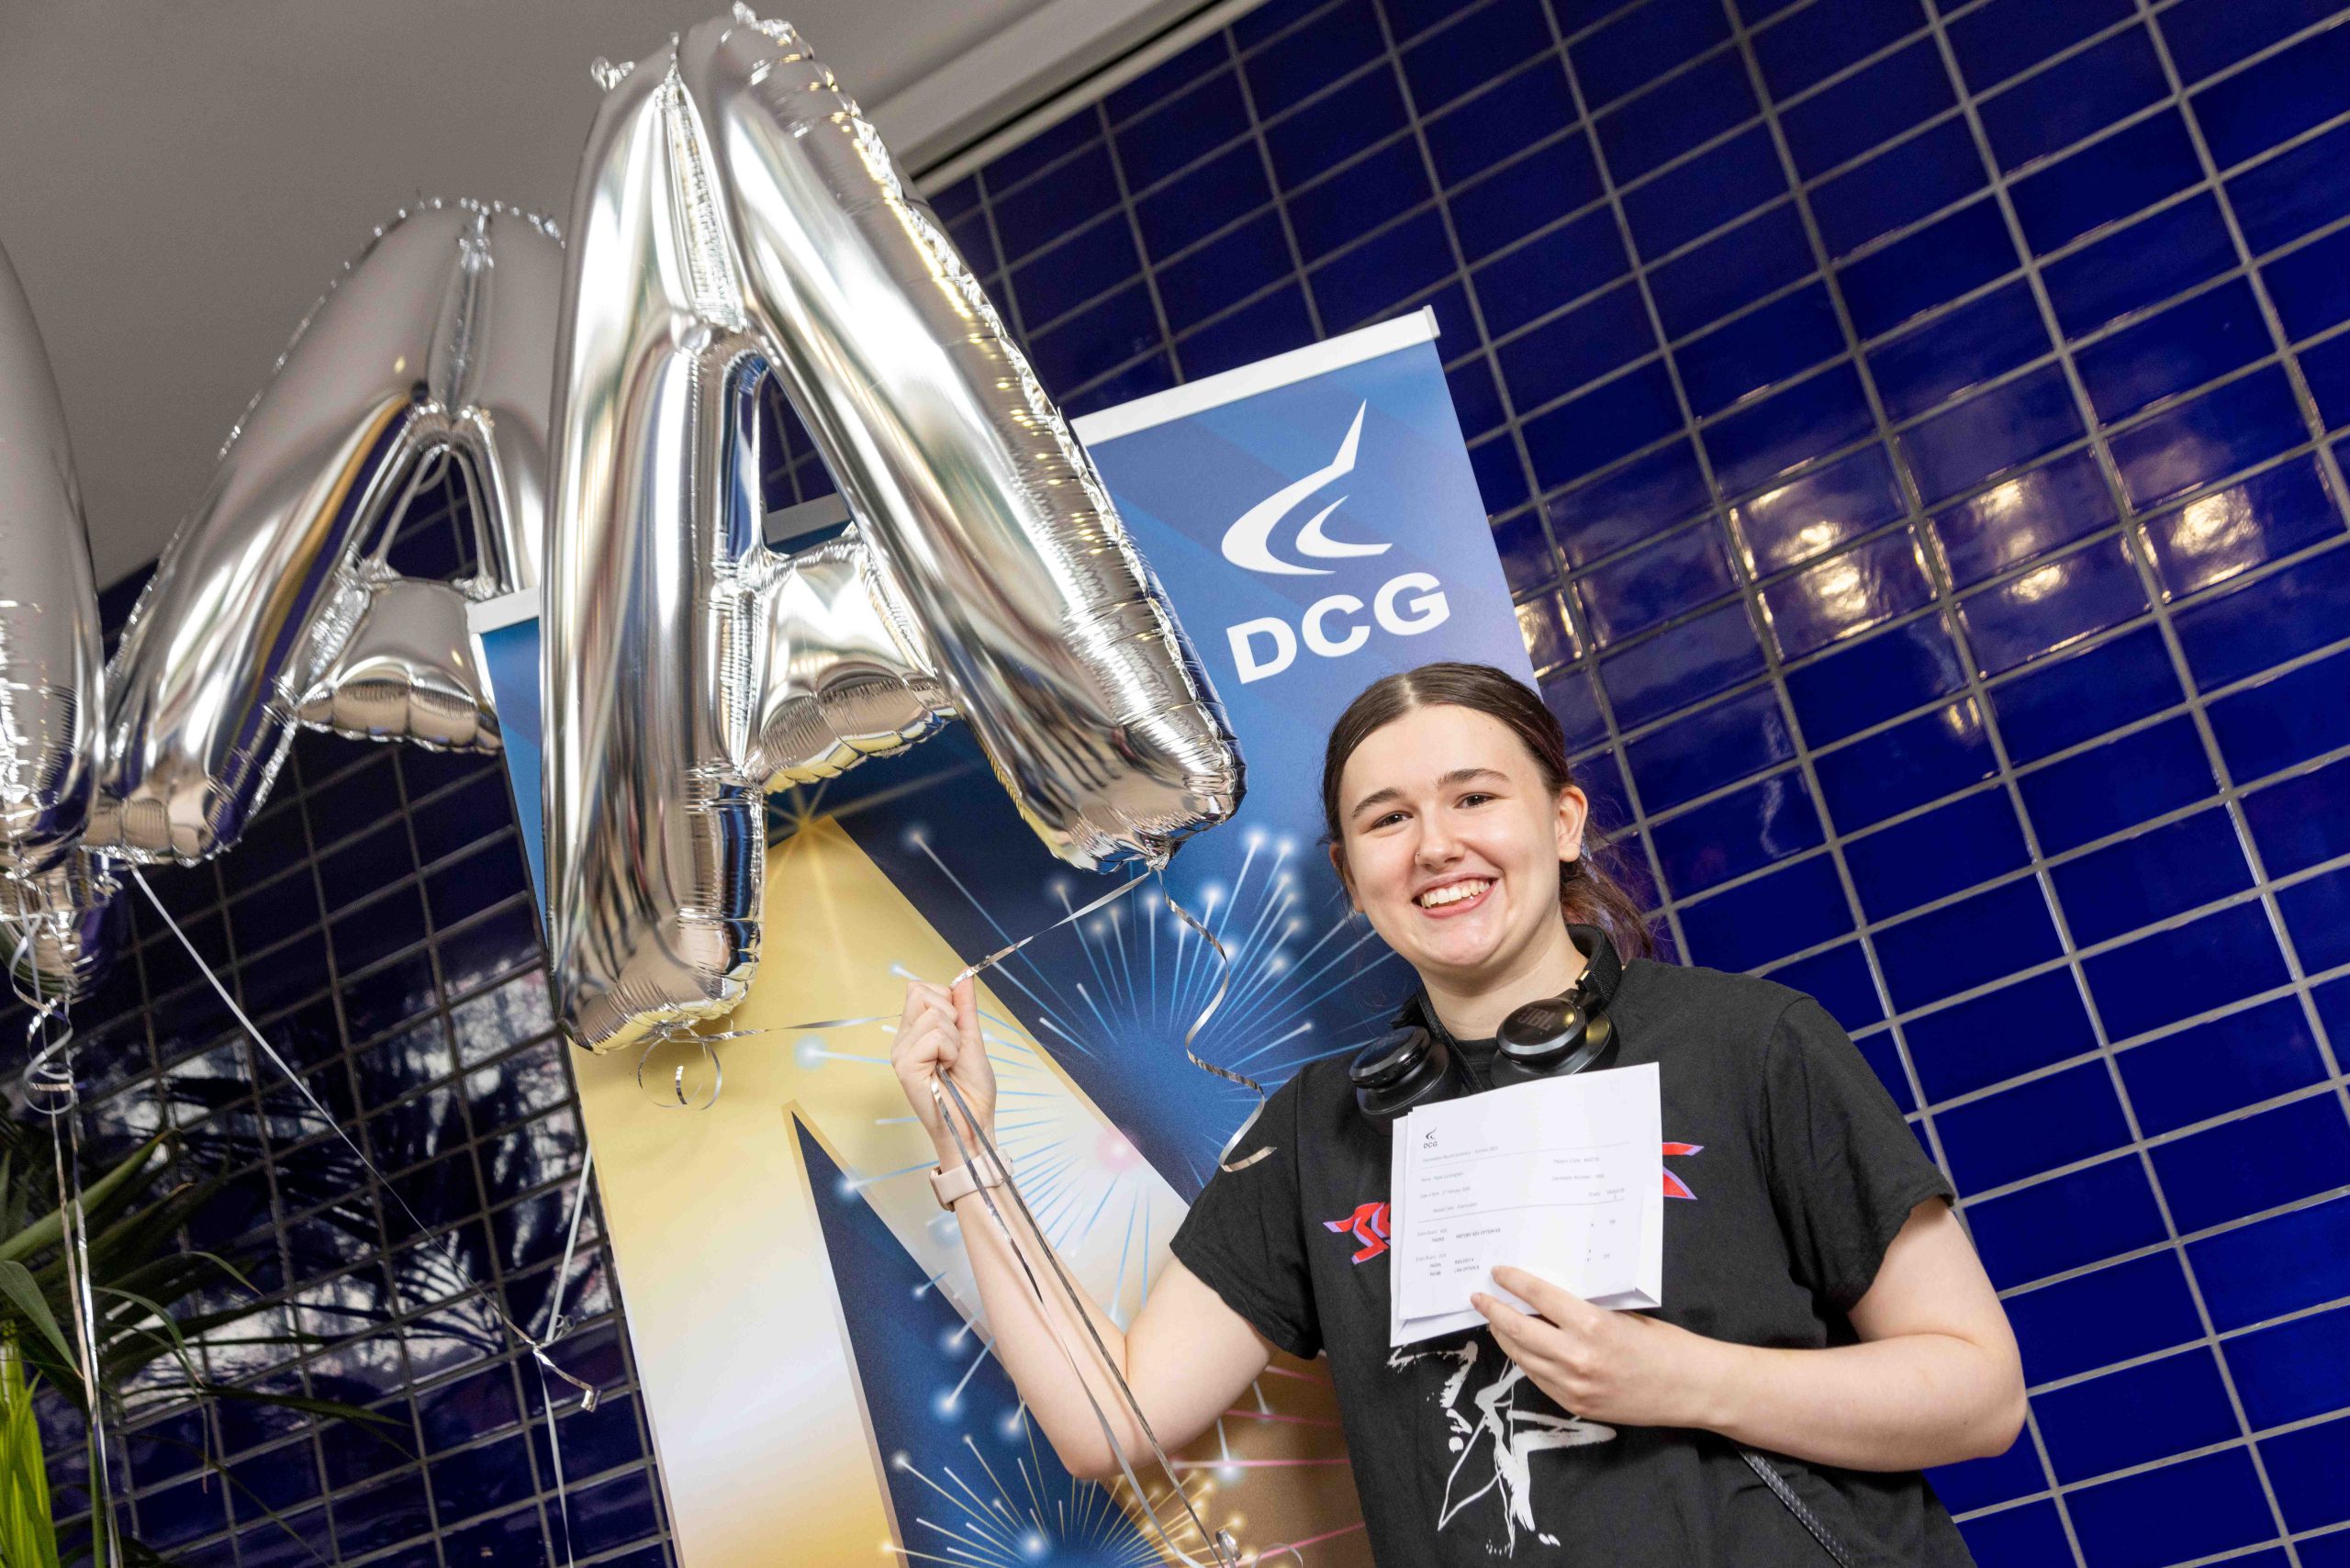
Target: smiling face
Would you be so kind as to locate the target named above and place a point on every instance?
(1449, 843)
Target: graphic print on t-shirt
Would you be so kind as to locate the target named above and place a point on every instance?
(1807, 1167)
(1367, 1224)
(1674, 1187)
(1494, 1439)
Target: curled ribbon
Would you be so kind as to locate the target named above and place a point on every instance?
(1224, 1161)
(1226, 1552)
(589, 1395)
(50, 1089)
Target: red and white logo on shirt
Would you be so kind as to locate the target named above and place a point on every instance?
(1367, 1224)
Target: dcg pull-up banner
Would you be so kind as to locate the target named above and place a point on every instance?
(802, 1314)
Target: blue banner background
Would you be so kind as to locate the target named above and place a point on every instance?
(511, 660)
(1115, 1001)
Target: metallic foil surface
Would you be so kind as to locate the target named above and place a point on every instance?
(52, 898)
(61, 928)
(736, 217)
(50, 659)
(274, 605)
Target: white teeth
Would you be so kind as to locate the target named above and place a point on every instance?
(1452, 892)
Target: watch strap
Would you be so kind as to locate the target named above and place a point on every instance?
(947, 1186)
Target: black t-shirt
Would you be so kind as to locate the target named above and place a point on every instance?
(1793, 1170)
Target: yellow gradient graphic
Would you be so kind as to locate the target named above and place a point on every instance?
(767, 1453)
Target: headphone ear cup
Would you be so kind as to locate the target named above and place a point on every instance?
(1550, 1039)
(1402, 1069)
(1542, 1034)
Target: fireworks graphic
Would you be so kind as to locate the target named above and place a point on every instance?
(1115, 1000)
(1110, 1131)
(968, 1480)
(1114, 996)
(997, 1527)
(982, 1489)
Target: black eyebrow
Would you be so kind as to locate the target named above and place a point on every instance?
(1457, 776)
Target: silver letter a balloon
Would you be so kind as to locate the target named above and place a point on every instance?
(53, 897)
(275, 604)
(737, 218)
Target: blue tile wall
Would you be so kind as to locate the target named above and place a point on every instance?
(1910, 432)
(375, 924)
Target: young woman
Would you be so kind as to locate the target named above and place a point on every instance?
(1820, 1301)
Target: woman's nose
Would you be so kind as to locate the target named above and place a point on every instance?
(1436, 845)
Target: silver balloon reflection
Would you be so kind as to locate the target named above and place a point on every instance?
(61, 929)
(737, 218)
(52, 898)
(275, 603)
(50, 659)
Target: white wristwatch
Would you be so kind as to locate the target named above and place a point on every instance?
(961, 1183)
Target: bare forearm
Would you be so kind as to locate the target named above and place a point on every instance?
(1029, 1343)
(1934, 1378)
(940, 1056)
(1896, 1403)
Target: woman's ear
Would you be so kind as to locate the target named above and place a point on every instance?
(1338, 864)
(1574, 812)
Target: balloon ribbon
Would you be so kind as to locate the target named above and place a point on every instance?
(1225, 1553)
(678, 1099)
(589, 1393)
(50, 1089)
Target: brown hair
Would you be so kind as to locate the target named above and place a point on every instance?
(1590, 891)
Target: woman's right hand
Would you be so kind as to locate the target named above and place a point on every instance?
(940, 1033)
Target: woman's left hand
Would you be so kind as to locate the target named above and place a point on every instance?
(1617, 1367)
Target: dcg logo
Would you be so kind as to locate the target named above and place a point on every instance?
(1405, 605)
(1331, 626)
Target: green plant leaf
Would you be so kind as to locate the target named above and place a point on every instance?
(50, 1229)
(32, 1307)
(136, 1554)
(27, 1535)
(155, 1300)
(162, 1315)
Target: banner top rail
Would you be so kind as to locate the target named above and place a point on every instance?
(1298, 365)
(491, 614)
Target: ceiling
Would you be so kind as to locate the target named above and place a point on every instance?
(178, 182)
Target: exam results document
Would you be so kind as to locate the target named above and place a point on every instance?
(1562, 1178)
